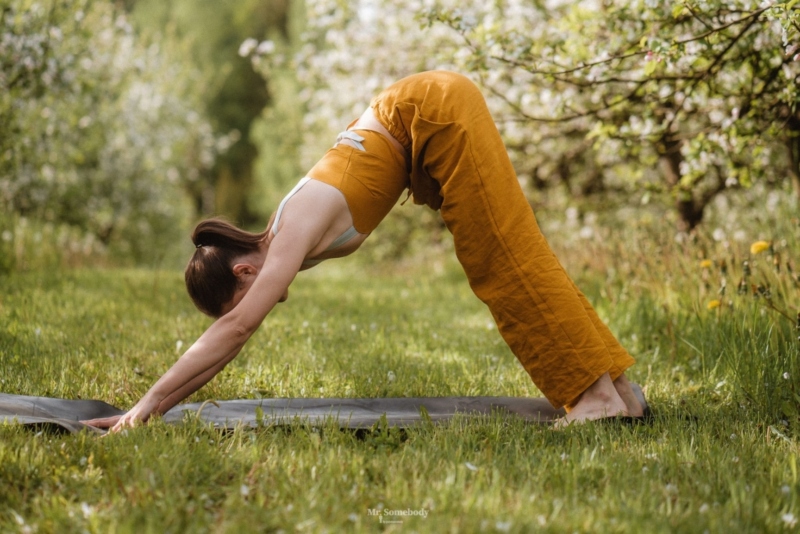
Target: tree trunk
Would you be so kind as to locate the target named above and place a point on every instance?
(793, 144)
(690, 212)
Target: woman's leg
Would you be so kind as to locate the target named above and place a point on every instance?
(442, 119)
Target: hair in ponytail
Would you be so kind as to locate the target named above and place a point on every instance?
(209, 274)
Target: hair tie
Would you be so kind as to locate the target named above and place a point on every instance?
(199, 245)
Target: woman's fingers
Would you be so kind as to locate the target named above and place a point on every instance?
(129, 420)
(103, 422)
(116, 423)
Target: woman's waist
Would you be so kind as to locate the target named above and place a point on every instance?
(367, 121)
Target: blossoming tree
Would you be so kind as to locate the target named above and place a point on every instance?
(97, 130)
(686, 98)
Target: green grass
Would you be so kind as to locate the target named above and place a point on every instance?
(721, 454)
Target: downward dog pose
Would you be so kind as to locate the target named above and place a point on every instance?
(431, 133)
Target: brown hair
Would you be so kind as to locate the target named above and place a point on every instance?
(209, 274)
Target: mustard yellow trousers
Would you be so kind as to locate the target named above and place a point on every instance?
(458, 164)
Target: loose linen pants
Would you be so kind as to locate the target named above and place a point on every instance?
(458, 164)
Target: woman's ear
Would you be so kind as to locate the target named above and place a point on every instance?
(241, 270)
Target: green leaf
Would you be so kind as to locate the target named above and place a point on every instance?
(678, 10)
(650, 67)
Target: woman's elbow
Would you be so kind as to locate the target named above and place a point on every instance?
(240, 326)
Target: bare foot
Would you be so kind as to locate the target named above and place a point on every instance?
(600, 400)
(624, 390)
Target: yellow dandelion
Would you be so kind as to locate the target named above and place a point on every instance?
(713, 304)
(705, 264)
(758, 247)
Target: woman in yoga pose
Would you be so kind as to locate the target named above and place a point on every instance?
(431, 133)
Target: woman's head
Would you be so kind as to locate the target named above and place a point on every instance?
(210, 278)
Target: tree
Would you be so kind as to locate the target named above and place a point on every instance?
(97, 128)
(708, 89)
(690, 98)
(209, 35)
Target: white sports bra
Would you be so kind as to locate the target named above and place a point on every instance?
(346, 236)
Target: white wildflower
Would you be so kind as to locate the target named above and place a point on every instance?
(247, 47)
(265, 47)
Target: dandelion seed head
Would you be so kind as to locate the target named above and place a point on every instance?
(789, 520)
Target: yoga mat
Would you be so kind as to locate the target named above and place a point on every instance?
(348, 413)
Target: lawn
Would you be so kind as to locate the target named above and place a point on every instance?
(720, 455)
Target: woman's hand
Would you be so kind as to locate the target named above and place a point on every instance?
(138, 414)
(103, 422)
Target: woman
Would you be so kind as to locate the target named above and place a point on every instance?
(431, 133)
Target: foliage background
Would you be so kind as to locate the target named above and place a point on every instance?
(124, 123)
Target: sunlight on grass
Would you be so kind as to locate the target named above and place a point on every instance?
(720, 455)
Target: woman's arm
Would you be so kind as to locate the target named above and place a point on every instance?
(215, 348)
(225, 337)
(223, 340)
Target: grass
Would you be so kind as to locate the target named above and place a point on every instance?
(720, 456)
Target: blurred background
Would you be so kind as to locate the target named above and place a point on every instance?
(124, 123)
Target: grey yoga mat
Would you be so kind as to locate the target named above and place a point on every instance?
(348, 413)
